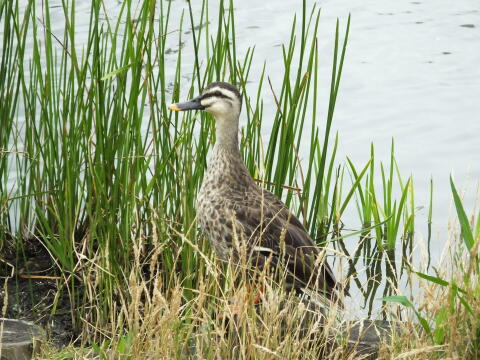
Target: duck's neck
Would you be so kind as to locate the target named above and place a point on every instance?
(226, 161)
(227, 132)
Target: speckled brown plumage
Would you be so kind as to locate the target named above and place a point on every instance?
(231, 206)
(230, 202)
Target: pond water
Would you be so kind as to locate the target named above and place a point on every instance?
(412, 73)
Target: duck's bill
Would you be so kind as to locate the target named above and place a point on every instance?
(193, 104)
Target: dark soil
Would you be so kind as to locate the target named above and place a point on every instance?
(30, 298)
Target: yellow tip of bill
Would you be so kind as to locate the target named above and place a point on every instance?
(174, 107)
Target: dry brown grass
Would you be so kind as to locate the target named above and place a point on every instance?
(219, 320)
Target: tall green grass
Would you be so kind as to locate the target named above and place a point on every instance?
(450, 316)
(100, 162)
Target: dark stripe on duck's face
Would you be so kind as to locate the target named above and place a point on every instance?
(218, 94)
(223, 85)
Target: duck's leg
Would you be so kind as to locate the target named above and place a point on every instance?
(239, 302)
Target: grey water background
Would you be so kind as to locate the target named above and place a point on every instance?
(412, 73)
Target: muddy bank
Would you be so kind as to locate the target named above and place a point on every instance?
(30, 290)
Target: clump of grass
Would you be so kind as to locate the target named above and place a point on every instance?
(220, 321)
(393, 222)
(155, 323)
(449, 311)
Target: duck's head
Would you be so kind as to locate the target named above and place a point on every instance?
(220, 99)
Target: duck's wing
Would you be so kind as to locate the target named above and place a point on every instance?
(276, 236)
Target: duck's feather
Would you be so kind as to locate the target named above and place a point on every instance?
(231, 204)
